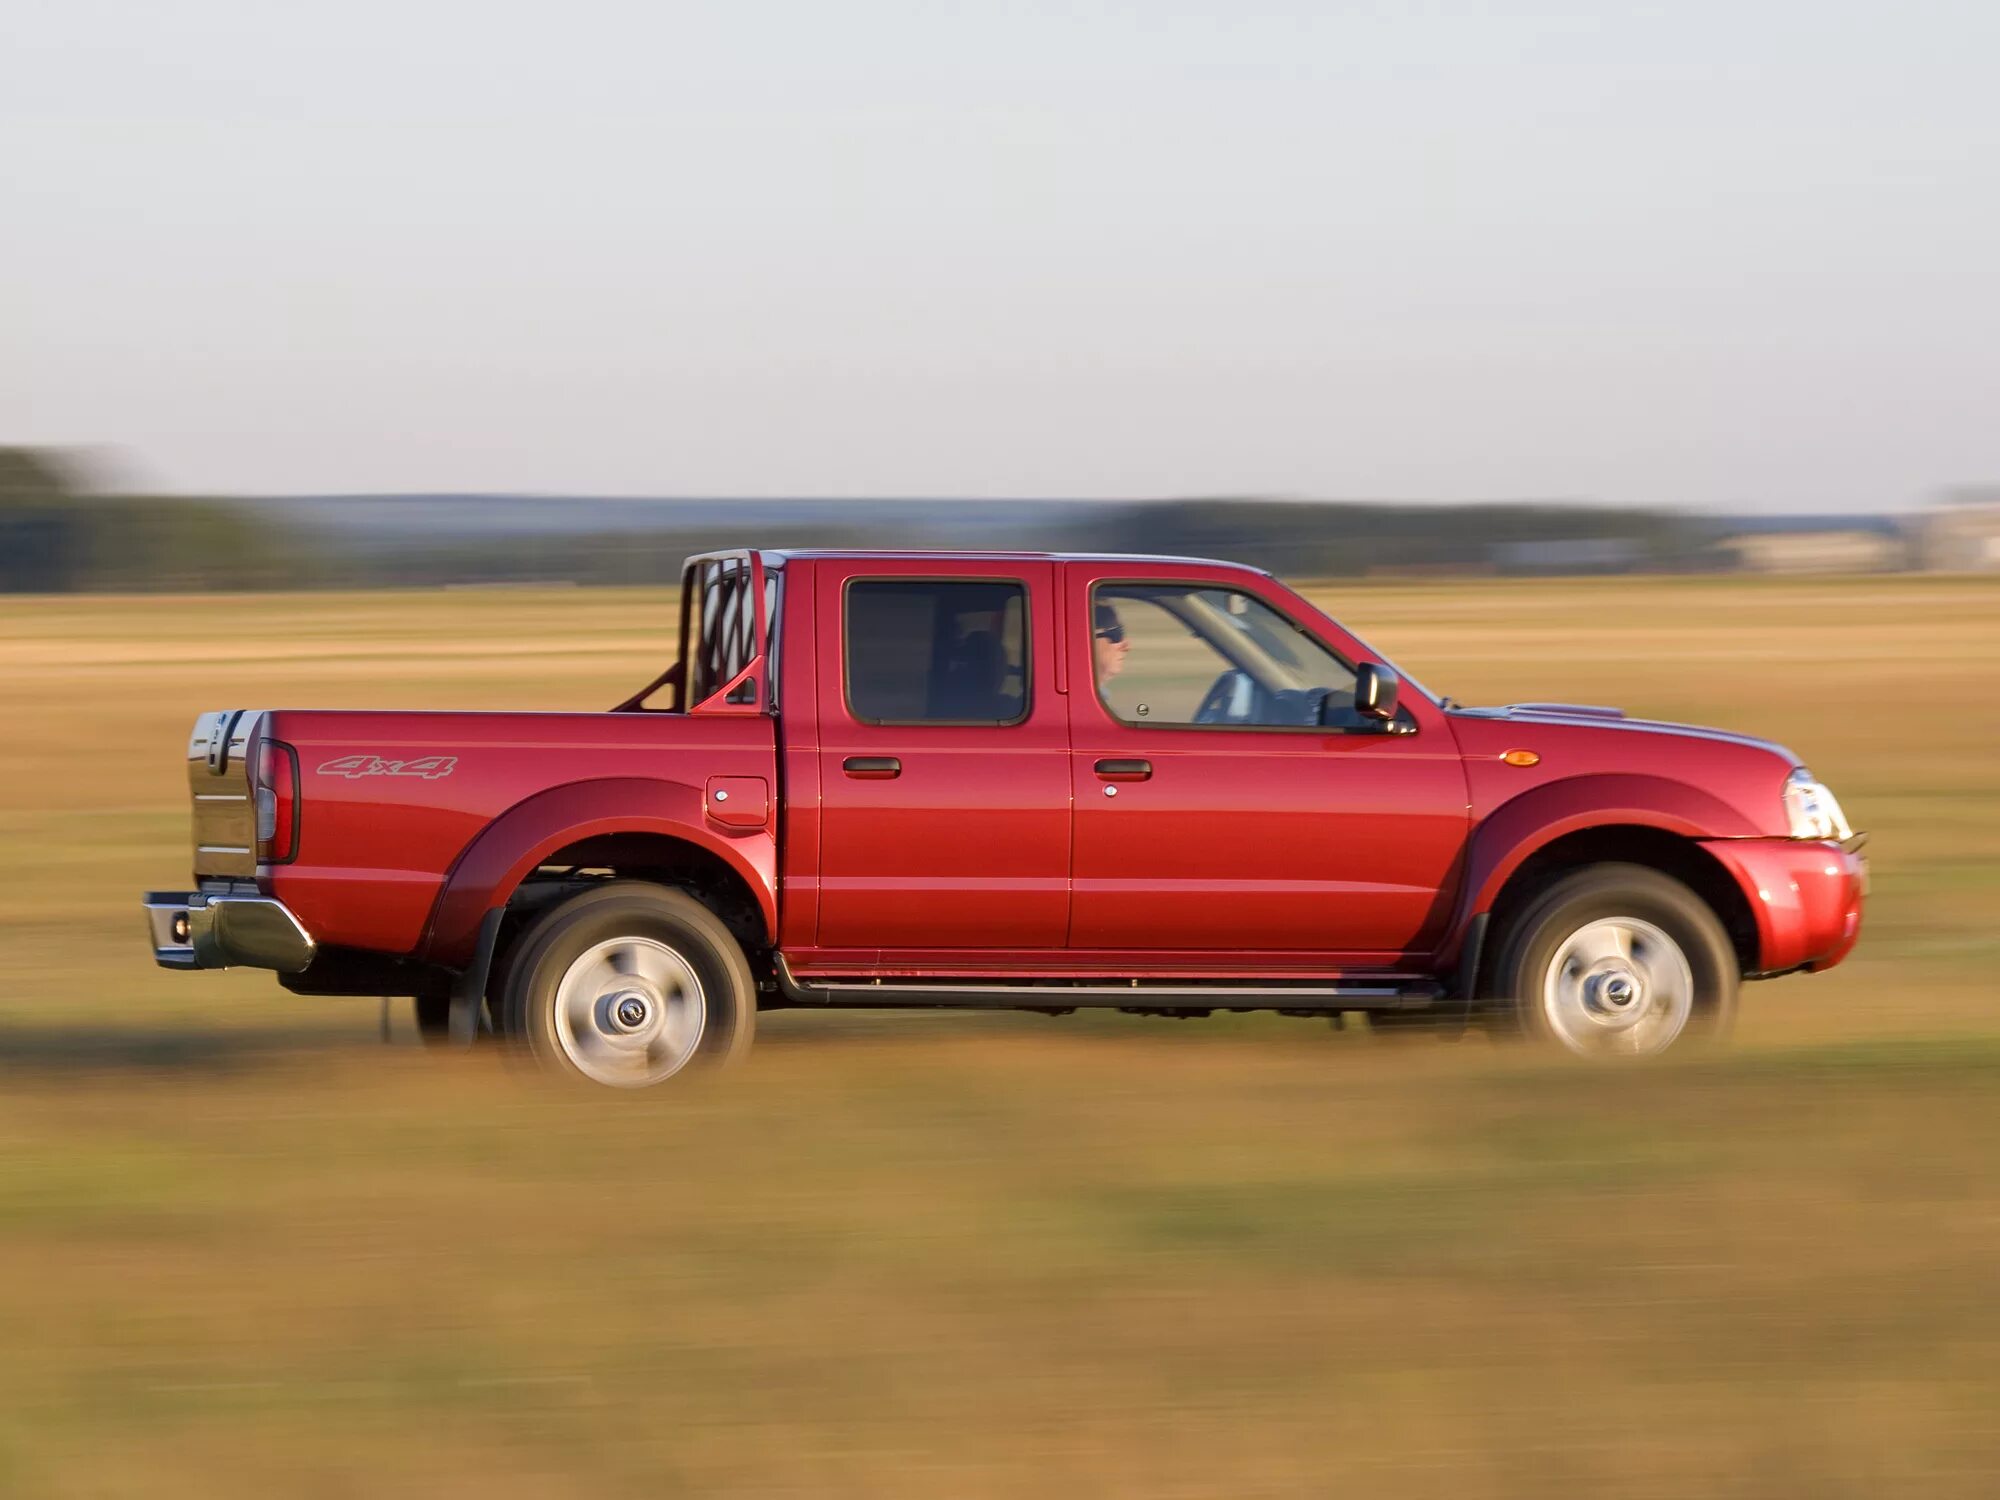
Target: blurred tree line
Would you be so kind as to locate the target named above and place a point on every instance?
(58, 535)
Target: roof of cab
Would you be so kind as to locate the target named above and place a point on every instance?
(956, 554)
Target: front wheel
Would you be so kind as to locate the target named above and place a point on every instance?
(1618, 961)
(628, 986)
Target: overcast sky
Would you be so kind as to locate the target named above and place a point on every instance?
(1703, 252)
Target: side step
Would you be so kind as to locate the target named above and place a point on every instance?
(1390, 992)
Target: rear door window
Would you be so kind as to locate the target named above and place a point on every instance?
(937, 651)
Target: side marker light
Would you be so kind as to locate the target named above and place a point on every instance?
(1522, 758)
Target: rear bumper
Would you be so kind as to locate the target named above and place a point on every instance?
(1806, 896)
(198, 930)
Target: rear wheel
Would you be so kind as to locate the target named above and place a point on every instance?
(1617, 961)
(628, 986)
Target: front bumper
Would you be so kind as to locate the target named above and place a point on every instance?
(1806, 896)
(203, 930)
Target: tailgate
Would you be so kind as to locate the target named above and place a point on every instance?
(219, 786)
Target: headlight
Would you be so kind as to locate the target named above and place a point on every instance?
(1813, 811)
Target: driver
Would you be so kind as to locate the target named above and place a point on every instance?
(1108, 644)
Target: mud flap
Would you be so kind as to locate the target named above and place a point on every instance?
(469, 993)
(1469, 954)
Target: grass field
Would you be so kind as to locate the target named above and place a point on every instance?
(245, 1249)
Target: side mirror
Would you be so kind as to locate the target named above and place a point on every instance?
(1375, 689)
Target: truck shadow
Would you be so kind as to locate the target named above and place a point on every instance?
(54, 1051)
(806, 1028)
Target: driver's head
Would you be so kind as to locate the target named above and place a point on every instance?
(1108, 643)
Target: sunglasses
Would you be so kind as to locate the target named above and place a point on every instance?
(1112, 633)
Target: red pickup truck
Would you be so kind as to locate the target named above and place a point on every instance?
(1007, 780)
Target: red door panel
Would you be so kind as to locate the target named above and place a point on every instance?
(942, 835)
(1279, 839)
(1340, 843)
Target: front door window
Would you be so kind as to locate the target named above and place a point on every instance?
(1184, 655)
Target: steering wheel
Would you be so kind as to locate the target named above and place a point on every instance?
(1236, 698)
(1295, 707)
(1224, 694)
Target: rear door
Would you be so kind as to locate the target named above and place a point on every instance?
(944, 776)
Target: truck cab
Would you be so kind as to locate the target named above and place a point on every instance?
(1015, 780)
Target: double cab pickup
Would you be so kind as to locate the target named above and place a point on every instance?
(1007, 780)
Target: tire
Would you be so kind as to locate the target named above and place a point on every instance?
(1617, 961)
(628, 986)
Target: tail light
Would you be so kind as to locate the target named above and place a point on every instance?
(277, 802)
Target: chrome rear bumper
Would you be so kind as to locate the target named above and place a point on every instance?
(197, 930)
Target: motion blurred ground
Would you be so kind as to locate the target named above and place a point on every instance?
(246, 1250)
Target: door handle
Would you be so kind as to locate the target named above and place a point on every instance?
(873, 767)
(1125, 770)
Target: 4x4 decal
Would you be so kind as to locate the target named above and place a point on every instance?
(429, 767)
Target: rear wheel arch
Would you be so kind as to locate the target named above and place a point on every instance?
(660, 859)
(633, 828)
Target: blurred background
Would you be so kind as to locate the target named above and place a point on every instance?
(397, 356)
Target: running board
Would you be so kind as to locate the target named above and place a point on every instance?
(1397, 992)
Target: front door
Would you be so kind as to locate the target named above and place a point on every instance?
(1216, 808)
(944, 772)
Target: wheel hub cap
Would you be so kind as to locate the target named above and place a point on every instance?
(1614, 995)
(629, 1012)
(1618, 985)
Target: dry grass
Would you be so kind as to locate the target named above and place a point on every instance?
(245, 1250)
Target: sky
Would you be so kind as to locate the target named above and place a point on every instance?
(1723, 255)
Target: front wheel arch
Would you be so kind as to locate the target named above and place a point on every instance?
(1669, 854)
